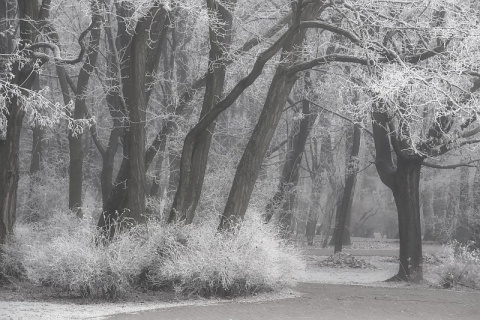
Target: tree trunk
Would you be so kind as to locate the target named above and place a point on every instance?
(406, 192)
(341, 234)
(290, 173)
(38, 134)
(316, 190)
(404, 180)
(9, 169)
(188, 195)
(252, 158)
(311, 227)
(251, 161)
(24, 77)
(126, 200)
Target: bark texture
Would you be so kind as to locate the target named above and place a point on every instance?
(76, 138)
(252, 158)
(404, 181)
(24, 76)
(125, 204)
(284, 197)
(188, 194)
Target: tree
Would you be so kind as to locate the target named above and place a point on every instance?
(341, 234)
(75, 135)
(280, 88)
(126, 199)
(397, 130)
(20, 71)
(284, 197)
(220, 33)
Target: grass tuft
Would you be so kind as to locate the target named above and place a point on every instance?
(64, 252)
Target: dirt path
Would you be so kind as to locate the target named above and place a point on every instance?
(327, 301)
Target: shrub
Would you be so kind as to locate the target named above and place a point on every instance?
(61, 253)
(251, 259)
(64, 252)
(459, 265)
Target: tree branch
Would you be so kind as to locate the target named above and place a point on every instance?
(276, 148)
(343, 117)
(56, 50)
(451, 166)
(93, 128)
(327, 59)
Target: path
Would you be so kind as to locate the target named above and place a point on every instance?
(322, 301)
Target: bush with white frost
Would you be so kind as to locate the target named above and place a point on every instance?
(64, 252)
(251, 259)
(459, 265)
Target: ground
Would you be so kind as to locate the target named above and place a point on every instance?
(350, 287)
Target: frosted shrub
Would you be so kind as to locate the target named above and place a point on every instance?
(251, 259)
(459, 266)
(64, 252)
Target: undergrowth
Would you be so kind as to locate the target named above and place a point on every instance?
(64, 252)
(459, 265)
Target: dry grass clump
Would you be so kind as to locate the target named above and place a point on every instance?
(252, 258)
(64, 252)
(459, 265)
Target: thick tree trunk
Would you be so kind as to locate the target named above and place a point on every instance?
(9, 169)
(108, 158)
(404, 181)
(24, 78)
(75, 172)
(341, 234)
(251, 161)
(406, 192)
(188, 195)
(76, 138)
(252, 158)
(126, 200)
(37, 148)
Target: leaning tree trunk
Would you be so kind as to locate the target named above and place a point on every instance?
(341, 234)
(251, 161)
(252, 158)
(406, 192)
(188, 195)
(290, 172)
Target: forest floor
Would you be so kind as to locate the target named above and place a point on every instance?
(351, 286)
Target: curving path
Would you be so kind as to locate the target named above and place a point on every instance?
(326, 301)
